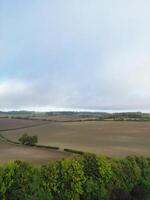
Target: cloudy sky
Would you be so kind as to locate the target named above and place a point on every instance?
(75, 54)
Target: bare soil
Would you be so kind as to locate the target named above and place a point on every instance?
(111, 138)
(8, 124)
(32, 154)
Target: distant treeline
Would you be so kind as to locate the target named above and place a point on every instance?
(130, 116)
(77, 116)
(84, 177)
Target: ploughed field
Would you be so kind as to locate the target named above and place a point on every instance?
(34, 155)
(111, 138)
(9, 124)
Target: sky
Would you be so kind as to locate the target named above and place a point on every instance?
(75, 55)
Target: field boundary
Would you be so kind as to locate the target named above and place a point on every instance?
(4, 139)
(71, 151)
(69, 121)
(74, 151)
(23, 127)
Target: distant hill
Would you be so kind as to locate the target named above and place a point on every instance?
(73, 116)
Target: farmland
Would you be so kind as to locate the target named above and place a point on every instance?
(34, 155)
(31, 154)
(9, 124)
(112, 138)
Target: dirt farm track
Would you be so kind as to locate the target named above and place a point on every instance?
(111, 138)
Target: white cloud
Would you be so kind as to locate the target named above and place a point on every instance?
(13, 93)
(80, 55)
(12, 88)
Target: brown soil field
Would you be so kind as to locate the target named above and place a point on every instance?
(7, 124)
(111, 138)
(32, 154)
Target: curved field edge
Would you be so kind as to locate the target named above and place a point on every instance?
(18, 143)
(71, 151)
(118, 139)
(36, 155)
(23, 127)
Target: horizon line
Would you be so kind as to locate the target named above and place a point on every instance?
(76, 110)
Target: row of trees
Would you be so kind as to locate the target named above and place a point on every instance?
(130, 116)
(86, 177)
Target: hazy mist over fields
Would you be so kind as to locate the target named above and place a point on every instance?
(75, 55)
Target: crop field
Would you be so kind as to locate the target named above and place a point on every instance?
(31, 154)
(8, 123)
(111, 138)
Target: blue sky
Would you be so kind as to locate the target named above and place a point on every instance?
(60, 55)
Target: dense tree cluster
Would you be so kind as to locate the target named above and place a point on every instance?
(28, 140)
(85, 177)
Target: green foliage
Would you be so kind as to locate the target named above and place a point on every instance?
(126, 174)
(91, 172)
(98, 173)
(91, 190)
(49, 175)
(105, 170)
(37, 191)
(71, 179)
(86, 177)
(105, 176)
(131, 116)
(28, 140)
(144, 165)
(14, 180)
(90, 166)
